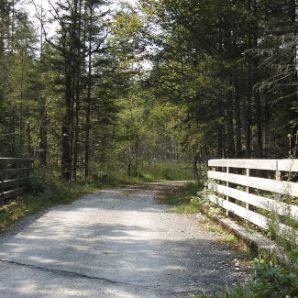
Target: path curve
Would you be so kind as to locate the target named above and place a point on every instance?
(113, 243)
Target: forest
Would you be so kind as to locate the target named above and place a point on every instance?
(93, 88)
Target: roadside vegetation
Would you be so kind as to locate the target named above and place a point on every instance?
(45, 190)
(271, 279)
(191, 199)
(42, 192)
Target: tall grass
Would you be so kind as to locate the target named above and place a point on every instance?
(45, 191)
(42, 192)
(150, 172)
(269, 282)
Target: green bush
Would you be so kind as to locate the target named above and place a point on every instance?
(168, 171)
(275, 281)
(270, 282)
(43, 191)
(36, 185)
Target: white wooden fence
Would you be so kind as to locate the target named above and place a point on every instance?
(246, 187)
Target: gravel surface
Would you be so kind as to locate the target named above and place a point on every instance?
(113, 243)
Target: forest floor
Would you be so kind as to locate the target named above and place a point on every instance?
(115, 243)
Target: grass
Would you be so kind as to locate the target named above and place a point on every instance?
(180, 198)
(190, 199)
(270, 281)
(167, 171)
(151, 172)
(42, 193)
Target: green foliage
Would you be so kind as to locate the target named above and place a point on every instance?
(42, 193)
(270, 281)
(293, 254)
(167, 171)
(229, 75)
(180, 196)
(150, 172)
(191, 198)
(275, 281)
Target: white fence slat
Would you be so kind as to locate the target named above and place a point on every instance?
(283, 165)
(255, 218)
(280, 187)
(288, 165)
(257, 164)
(257, 201)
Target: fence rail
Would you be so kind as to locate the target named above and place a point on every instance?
(14, 174)
(255, 189)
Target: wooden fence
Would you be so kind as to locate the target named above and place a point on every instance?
(255, 189)
(14, 173)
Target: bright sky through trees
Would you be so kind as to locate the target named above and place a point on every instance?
(28, 6)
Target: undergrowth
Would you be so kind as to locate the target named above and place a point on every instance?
(270, 281)
(42, 192)
(150, 172)
(180, 197)
(190, 199)
(45, 191)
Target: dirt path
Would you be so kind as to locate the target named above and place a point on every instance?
(114, 243)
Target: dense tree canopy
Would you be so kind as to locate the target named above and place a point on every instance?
(233, 64)
(121, 87)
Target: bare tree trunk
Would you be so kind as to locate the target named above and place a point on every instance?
(230, 126)
(89, 90)
(21, 119)
(43, 133)
(237, 103)
(66, 161)
(252, 74)
(78, 91)
(195, 169)
(220, 142)
(259, 125)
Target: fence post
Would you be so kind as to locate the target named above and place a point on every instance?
(227, 184)
(278, 178)
(1, 183)
(277, 173)
(247, 188)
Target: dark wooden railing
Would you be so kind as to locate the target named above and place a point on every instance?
(14, 174)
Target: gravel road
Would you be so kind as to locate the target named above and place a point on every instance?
(113, 243)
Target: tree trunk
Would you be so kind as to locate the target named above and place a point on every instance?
(237, 102)
(230, 152)
(21, 119)
(78, 91)
(89, 90)
(220, 142)
(259, 125)
(43, 134)
(66, 162)
(251, 74)
(195, 169)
